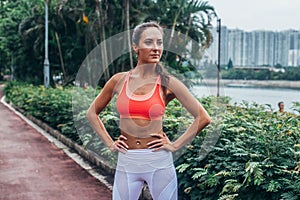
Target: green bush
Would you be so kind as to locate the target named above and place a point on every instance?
(256, 157)
(52, 106)
(256, 154)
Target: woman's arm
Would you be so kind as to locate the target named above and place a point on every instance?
(98, 105)
(201, 117)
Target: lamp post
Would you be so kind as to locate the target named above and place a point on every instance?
(219, 54)
(46, 61)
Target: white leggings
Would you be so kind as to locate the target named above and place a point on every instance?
(138, 166)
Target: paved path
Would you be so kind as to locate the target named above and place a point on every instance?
(32, 168)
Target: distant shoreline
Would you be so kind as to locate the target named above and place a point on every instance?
(253, 83)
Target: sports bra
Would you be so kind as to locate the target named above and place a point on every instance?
(148, 106)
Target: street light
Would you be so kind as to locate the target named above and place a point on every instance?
(46, 61)
(219, 54)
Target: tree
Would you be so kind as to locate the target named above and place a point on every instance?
(188, 19)
(11, 47)
(76, 27)
(31, 29)
(230, 64)
(67, 31)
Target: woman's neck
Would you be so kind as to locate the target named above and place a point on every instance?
(145, 70)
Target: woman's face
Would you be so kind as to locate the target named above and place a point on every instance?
(150, 47)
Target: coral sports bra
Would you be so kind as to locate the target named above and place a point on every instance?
(149, 106)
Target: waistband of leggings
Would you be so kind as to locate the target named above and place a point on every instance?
(144, 160)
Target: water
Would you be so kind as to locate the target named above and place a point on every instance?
(269, 96)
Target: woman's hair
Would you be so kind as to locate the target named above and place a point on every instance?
(159, 69)
(139, 29)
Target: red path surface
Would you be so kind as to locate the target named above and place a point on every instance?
(32, 168)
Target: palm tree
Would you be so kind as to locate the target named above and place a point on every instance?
(31, 31)
(191, 18)
(75, 29)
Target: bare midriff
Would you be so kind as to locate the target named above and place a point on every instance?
(138, 132)
(140, 127)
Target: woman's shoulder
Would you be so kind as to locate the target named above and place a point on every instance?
(117, 80)
(120, 76)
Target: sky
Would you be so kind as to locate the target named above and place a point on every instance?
(250, 15)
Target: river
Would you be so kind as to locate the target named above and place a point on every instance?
(253, 94)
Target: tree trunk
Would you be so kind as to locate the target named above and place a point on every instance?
(128, 32)
(102, 37)
(61, 58)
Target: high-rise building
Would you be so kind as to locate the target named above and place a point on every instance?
(256, 48)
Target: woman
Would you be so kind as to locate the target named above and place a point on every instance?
(145, 152)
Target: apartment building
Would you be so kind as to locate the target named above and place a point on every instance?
(256, 48)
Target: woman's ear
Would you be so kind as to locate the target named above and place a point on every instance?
(135, 48)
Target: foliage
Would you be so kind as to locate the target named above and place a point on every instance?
(77, 27)
(11, 48)
(256, 154)
(291, 74)
(296, 107)
(256, 157)
(230, 64)
(52, 106)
